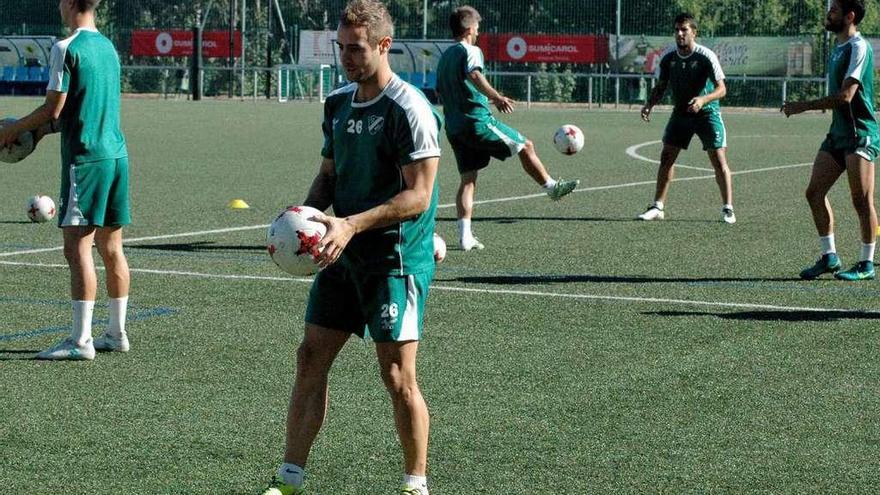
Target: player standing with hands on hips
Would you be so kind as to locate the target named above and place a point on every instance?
(697, 81)
(852, 142)
(83, 100)
(380, 157)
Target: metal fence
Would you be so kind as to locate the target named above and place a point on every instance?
(770, 30)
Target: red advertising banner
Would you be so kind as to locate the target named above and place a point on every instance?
(179, 43)
(572, 49)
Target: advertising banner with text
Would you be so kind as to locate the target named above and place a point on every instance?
(571, 49)
(179, 43)
(753, 56)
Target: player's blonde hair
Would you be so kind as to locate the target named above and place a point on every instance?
(462, 18)
(370, 14)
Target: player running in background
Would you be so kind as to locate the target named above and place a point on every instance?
(851, 144)
(84, 96)
(693, 73)
(475, 135)
(381, 152)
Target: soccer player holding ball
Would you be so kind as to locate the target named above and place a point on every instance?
(851, 144)
(475, 135)
(380, 157)
(82, 100)
(694, 74)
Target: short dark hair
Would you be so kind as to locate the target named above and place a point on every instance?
(857, 7)
(462, 18)
(87, 5)
(686, 18)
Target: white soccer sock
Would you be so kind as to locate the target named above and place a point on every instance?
(827, 244)
(550, 184)
(118, 310)
(867, 252)
(464, 228)
(291, 474)
(82, 321)
(727, 206)
(658, 205)
(420, 482)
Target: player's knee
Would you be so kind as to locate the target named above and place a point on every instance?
(862, 203)
(400, 384)
(814, 195)
(309, 361)
(529, 147)
(110, 252)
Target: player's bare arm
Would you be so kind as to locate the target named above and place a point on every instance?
(696, 104)
(653, 99)
(830, 102)
(321, 193)
(418, 179)
(42, 120)
(503, 103)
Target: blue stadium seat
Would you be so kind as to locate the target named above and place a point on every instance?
(35, 73)
(21, 73)
(8, 73)
(45, 74)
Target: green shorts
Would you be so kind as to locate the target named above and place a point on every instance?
(490, 138)
(95, 193)
(708, 126)
(390, 308)
(838, 148)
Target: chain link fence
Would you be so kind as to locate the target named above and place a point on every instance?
(770, 49)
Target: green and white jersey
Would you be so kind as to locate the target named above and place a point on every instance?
(85, 66)
(690, 76)
(370, 143)
(853, 59)
(463, 104)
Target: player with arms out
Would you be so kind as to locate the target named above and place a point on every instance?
(694, 74)
(851, 144)
(475, 135)
(380, 157)
(83, 100)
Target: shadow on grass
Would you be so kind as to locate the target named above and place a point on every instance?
(562, 279)
(14, 222)
(505, 220)
(791, 316)
(18, 354)
(194, 247)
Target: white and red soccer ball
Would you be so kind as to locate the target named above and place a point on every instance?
(23, 147)
(40, 209)
(568, 139)
(439, 249)
(292, 240)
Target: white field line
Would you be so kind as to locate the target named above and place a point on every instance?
(451, 288)
(150, 238)
(443, 206)
(633, 151)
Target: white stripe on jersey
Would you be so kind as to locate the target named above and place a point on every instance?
(474, 58)
(422, 123)
(56, 60)
(717, 72)
(857, 58)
